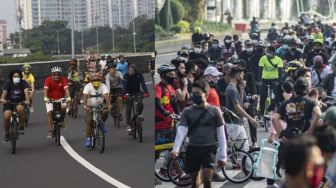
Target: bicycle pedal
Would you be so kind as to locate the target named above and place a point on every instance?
(140, 117)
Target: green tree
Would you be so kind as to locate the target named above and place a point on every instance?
(177, 10)
(166, 18)
(194, 10)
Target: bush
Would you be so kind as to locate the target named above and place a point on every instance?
(32, 58)
(176, 29)
(177, 11)
(184, 26)
(159, 32)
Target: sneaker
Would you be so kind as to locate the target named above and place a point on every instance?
(129, 130)
(50, 134)
(31, 109)
(21, 130)
(88, 143)
(69, 111)
(273, 186)
(217, 178)
(184, 176)
(6, 139)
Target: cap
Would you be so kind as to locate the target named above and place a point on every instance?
(329, 115)
(210, 70)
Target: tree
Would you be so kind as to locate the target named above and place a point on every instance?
(166, 18)
(177, 10)
(194, 10)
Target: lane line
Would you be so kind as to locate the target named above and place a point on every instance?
(167, 54)
(89, 166)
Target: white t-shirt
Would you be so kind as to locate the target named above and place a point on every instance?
(95, 97)
(102, 64)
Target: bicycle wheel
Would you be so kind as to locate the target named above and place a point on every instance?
(93, 136)
(27, 117)
(75, 109)
(58, 134)
(238, 168)
(254, 153)
(161, 163)
(14, 135)
(134, 128)
(267, 104)
(100, 138)
(139, 130)
(176, 167)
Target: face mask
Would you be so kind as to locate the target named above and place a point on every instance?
(212, 84)
(286, 95)
(315, 180)
(197, 99)
(96, 84)
(293, 48)
(215, 45)
(227, 41)
(16, 80)
(170, 80)
(260, 50)
(285, 46)
(198, 50)
(220, 69)
(249, 50)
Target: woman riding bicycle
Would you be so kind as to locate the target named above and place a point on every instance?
(14, 90)
(29, 78)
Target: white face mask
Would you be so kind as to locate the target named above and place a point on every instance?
(285, 46)
(227, 41)
(249, 49)
(16, 80)
(198, 50)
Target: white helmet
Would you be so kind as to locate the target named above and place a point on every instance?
(56, 69)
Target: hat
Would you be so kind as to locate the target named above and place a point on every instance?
(210, 70)
(329, 115)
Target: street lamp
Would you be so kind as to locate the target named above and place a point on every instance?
(58, 46)
(72, 30)
(97, 39)
(134, 45)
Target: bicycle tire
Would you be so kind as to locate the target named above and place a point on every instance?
(75, 112)
(58, 134)
(134, 131)
(93, 137)
(101, 138)
(14, 135)
(27, 117)
(254, 153)
(174, 177)
(158, 168)
(139, 130)
(247, 173)
(267, 104)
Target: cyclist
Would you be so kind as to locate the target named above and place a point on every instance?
(272, 34)
(211, 75)
(293, 53)
(271, 68)
(290, 69)
(75, 86)
(229, 49)
(95, 93)
(55, 88)
(319, 70)
(114, 83)
(215, 51)
(14, 90)
(317, 50)
(238, 44)
(253, 64)
(247, 54)
(284, 48)
(122, 65)
(180, 83)
(328, 83)
(133, 81)
(204, 126)
(196, 53)
(196, 37)
(30, 79)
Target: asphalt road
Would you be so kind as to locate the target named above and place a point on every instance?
(39, 163)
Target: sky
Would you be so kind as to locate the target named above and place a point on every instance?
(7, 12)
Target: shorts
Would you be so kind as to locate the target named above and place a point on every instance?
(73, 87)
(88, 116)
(8, 106)
(49, 106)
(115, 93)
(200, 157)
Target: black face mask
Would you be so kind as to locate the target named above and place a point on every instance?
(260, 51)
(170, 80)
(212, 84)
(220, 69)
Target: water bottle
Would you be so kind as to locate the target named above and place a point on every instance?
(266, 162)
(161, 162)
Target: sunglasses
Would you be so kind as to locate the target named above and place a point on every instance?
(57, 74)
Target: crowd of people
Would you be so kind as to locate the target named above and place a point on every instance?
(104, 81)
(293, 66)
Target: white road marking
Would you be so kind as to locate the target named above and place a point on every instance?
(89, 166)
(167, 54)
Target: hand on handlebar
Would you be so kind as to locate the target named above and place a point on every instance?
(46, 99)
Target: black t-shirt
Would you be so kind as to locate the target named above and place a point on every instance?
(247, 57)
(297, 112)
(15, 93)
(313, 53)
(197, 38)
(221, 87)
(290, 57)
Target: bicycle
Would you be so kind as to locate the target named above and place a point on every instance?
(114, 112)
(74, 104)
(27, 114)
(162, 149)
(57, 118)
(266, 115)
(14, 126)
(97, 130)
(137, 118)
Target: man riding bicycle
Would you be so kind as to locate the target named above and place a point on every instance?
(93, 95)
(75, 86)
(133, 81)
(114, 83)
(29, 78)
(55, 88)
(14, 90)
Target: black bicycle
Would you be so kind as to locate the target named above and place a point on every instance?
(74, 104)
(116, 115)
(58, 118)
(137, 118)
(27, 114)
(97, 130)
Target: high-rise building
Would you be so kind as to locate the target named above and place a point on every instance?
(97, 13)
(122, 12)
(34, 12)
(3, 31)
(146, 7)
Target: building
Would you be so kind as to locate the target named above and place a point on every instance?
(3, 31)
(97, 13)
(34, 12)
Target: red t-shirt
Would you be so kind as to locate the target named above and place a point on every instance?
(56, 90)
(165, 101)
(213, 98)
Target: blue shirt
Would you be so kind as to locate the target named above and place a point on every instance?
(123, 67)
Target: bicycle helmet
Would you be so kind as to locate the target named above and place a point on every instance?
(286, 39)
(260, 43)
(292, 66)
(254, 36)
(56, 69)
(168, 67)
(26, 65)
(319, 41)
(198, 30)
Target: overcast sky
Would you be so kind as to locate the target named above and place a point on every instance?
(7, 12)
